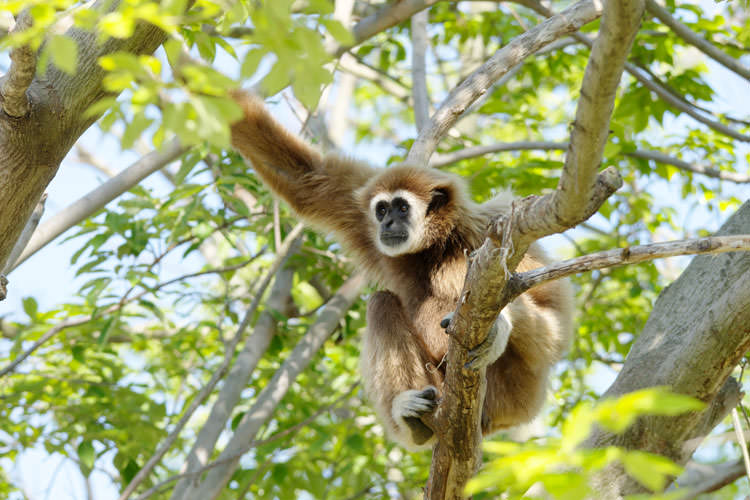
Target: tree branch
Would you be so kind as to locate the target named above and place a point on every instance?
(275, 390)
(443, 159)
(629, 255)
(243, 368)
(477, 84)
(456, 421)
(95, 200)
(27, 232)
(22, 70)
(282, 253)
(698, 42)
(653, 86)
(419, 69)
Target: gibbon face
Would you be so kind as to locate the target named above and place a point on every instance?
(400, 218)
(410, 208)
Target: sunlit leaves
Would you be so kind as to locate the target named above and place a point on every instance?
(565, 468)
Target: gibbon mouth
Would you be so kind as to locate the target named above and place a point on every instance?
(393, 239)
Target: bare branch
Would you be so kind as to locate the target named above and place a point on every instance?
(629, 255)
(443, 159)
(99, 197)
(231, 347)
(85, 156)
(41, 340)
(419, 69)
(660, 157)
(699, 479)
(277, 387)
(22, 70)
(478, 83)
(391, 85)
(698, 42)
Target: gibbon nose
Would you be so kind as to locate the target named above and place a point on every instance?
(388, 223)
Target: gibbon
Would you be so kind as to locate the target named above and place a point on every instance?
(410, 229)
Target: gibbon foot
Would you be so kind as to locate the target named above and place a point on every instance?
(493, 346)
(409, 405)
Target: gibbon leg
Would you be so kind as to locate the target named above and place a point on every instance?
(395, 373)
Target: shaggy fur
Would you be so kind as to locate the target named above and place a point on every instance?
(404, 341)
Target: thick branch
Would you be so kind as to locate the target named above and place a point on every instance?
(21, 73)
(275, 390)
(579, 194)
(478, 83)
(94, 201)
(698, 42)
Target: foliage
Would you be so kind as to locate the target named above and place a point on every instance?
(164, 275)
(565, 470)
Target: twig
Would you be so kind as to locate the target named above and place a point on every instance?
(21, 73)
(698, 42)
(741, 441)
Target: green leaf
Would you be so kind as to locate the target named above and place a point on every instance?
(86, 456)
(63, 52)
(30, 307)
(652, 471)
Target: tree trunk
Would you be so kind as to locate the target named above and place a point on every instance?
(696, 334)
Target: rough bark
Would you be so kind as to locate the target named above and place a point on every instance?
(696, 334)
(33, 145)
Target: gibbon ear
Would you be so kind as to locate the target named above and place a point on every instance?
(440, 198)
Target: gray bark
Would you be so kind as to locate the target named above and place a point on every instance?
(696, 334)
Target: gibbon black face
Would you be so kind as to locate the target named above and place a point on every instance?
(394, 221)
(399, 217)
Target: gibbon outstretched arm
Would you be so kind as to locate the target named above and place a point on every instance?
(321, 189)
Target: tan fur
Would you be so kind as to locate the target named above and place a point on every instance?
(404, 341)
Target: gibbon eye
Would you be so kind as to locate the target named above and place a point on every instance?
(404, 208)
(380, 210)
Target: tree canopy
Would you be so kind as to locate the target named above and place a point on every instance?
(179, 334)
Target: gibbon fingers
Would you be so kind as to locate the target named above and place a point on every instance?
(410, 228)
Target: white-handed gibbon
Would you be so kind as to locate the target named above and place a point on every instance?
(410, 228)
